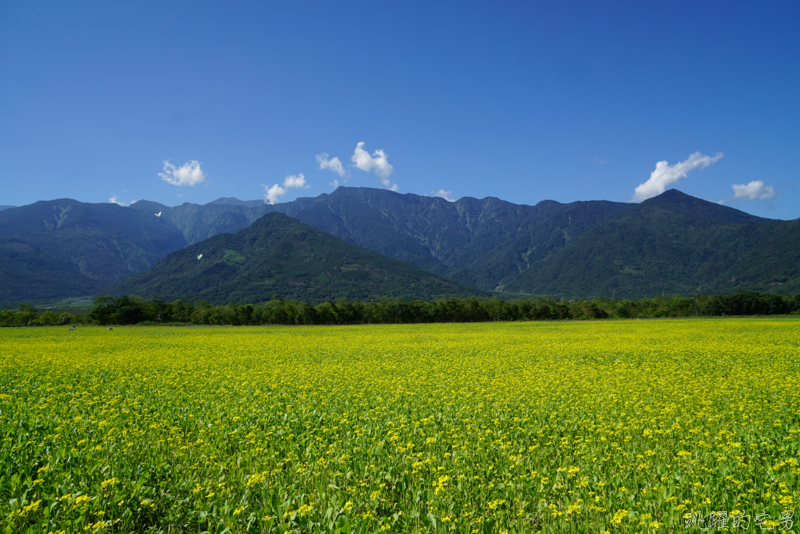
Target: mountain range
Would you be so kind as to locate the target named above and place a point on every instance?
(482, 243)
(63, 248)
(278, 255)
(674, 244)
(669, 244)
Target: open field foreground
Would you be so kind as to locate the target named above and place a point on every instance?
(623, 426)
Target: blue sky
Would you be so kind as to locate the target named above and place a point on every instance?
(524, 101)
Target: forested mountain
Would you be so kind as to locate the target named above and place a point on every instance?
(62, 248)
(225, 215)
(483, 243)
(6, 207)
(280, 255)
(673, 244)
(28, 274)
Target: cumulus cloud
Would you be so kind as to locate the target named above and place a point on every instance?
(114, 200)
(378, 162)
(443, 194)
(755, 190)
(665, 175)
(333, 164)
(273, 194)
(188, 174)
(295, 181)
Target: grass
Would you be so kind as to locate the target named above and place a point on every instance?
(623, 426)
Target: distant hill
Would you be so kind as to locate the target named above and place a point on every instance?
(232, 201)
(6, 207)
(672, 244)
(279, 255)
(62, 248)
(32, 275)
(772, 266)
(225, 215)
(483, 243)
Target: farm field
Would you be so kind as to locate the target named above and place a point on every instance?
(618, 426)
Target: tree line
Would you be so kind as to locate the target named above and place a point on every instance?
(129, 310)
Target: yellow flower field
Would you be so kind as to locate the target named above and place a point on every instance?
(622, 426)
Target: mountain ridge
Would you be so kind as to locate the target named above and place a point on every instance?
(672, 243)
(52, 246)
(280, 255)
(479, 242)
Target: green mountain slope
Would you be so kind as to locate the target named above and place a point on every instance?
(484, 243)
(772, 266)
(225, 215)
(669, 244)
(279, 255)
(67, 248)
(673, 243)
(29, 274)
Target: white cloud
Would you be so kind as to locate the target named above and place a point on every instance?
(273, 194)
(295, 181)
(188, 174)
(443, 194)
(114, 200)
(333, 164)
(755, 190)
(378, 163)
(334, 183)
(665, 175)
